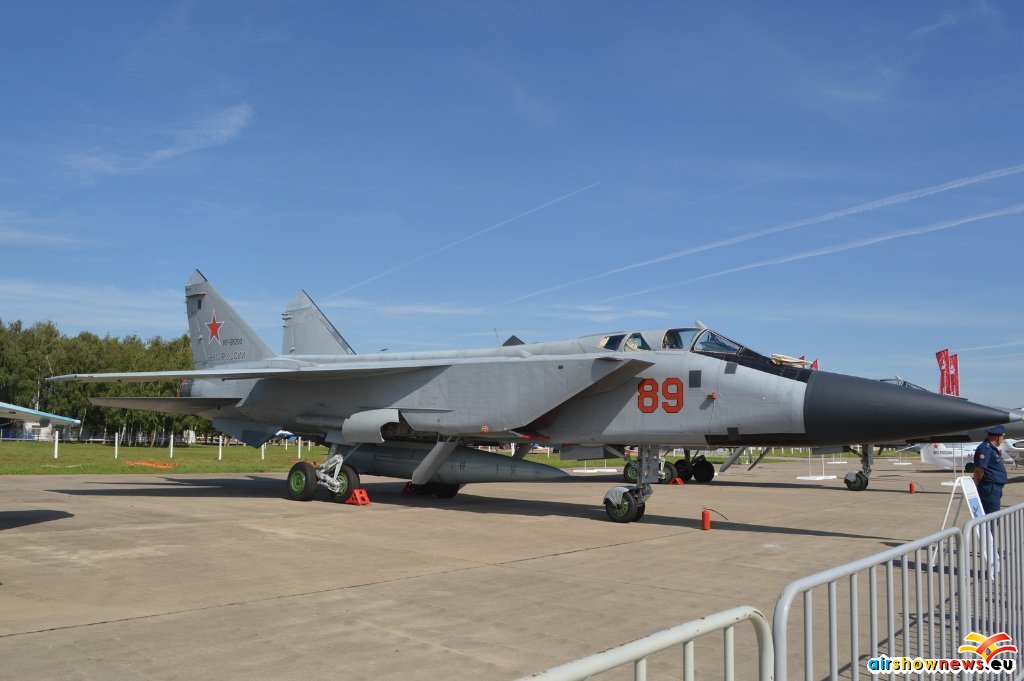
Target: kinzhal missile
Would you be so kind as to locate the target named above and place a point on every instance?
(464, 465)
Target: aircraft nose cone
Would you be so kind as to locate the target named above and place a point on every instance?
(840, 409)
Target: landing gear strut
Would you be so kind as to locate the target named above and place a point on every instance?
(857, 481)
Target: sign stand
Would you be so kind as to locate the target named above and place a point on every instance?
(815, 477)
(969, 492)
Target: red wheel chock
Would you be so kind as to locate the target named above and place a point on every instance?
(359, 497)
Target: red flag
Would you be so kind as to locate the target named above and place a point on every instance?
(943, 358)
(814, 365)
(954, 375)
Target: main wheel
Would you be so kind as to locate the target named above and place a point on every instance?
(667, 474)
(640, 510)
(631, 472)
(301, 484)
(856, 481)
(703, 471)
(684, 470)
(348, 478)
(443, 490)
(623, 512)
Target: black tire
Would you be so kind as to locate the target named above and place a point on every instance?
(667, 474)
(703, 471)
(443, 490)
(641, 509)
(856, 481)
(631, 472)
(625, 511)
(301, 482)
(684, 470)
(424, 490)
(348, 478)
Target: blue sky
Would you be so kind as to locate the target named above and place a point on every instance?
(844, 181)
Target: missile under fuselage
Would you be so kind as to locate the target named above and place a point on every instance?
(464, 465)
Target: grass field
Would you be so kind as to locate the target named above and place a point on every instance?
(36, 458)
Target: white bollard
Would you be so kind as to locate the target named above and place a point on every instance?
(263, 452)
(117, 441)
(300, 448)
(56, 438)
(172, 445)
(220, 448)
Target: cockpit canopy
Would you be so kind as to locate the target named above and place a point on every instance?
(689, 339)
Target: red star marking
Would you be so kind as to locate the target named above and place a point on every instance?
(214, 327)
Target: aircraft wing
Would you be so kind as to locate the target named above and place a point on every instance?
(10, 411)
(339, 370)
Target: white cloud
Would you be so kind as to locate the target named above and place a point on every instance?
(30, 231)
(215, 129)
(601, 313)
(98, 308)
(947, 19)
(402, 309)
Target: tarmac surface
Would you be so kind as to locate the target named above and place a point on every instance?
(200, 576)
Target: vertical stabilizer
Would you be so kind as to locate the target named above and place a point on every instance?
(219, 335)
(308, 332)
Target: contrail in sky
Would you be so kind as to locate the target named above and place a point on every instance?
(827, 217)
(850, 245)
(465, 238)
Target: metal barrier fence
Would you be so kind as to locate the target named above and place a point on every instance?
(917, 600)
(638, 651)
(923, 604)
(995, 568)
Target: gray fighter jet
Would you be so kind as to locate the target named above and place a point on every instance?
(422, 416)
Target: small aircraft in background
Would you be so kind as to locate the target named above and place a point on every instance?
(959, 456)
(423, 416)
(12, 412)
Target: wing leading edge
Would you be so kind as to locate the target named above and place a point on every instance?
(11, 411)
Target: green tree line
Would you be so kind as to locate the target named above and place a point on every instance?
(29, 354)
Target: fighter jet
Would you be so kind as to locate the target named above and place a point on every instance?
(422, 416)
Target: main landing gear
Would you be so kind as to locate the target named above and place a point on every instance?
(667, 472)
(857, 481)
(340, 479)
(626, 504)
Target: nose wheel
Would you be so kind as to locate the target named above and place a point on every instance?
(857, 481)
(626, 504)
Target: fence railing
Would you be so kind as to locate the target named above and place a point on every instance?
(637, 652)
(919, 608)
(995, 568)
(917, 600)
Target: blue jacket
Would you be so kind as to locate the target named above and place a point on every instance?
(986, 456)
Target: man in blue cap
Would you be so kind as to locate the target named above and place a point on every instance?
(989, 472)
